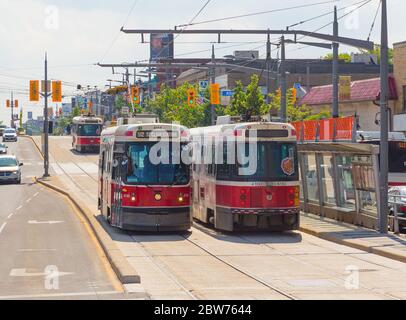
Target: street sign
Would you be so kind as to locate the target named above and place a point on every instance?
(227, 93)
(203, 85)
(48, 86)
(215, 93)
(345, 88)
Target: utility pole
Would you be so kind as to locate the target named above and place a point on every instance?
(335, 66)
(12, 109)
(384, 149)
(268, 67)
(308, 77)
(283, 80)
(46, 124)
(213, 81)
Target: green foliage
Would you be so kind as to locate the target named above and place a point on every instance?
(249, 102)
(171, 105)
(377, 52)
(76, 112)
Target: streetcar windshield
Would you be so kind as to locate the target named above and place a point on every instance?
(275, 161)
(89, 130)
(142, 171)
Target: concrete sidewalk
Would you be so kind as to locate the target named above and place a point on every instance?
(389, 246)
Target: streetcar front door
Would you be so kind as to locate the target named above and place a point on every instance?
(120, 165)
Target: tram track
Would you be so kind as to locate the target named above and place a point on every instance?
(245, 273)
(211, 232)
(161, 266)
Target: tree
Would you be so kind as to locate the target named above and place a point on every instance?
(171, 105)
(120, 103)
(377, 51)
(294, 111)
(247, 103)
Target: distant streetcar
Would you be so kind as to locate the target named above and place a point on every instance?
(229, 195)
(86, 131)
(134, 192)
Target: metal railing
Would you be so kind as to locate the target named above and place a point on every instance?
(395, 202)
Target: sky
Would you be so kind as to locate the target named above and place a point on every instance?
(77, 34)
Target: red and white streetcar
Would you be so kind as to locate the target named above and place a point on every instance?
(235, 194)
(137, 193)
(86, 132)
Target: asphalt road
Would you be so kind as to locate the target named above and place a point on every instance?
(46, 250)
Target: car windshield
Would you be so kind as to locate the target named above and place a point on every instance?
(10, 131)
(142, 171)
(8, 162)
(2, 146)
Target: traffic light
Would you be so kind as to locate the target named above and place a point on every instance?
(16, 104)
(135, 95)
(191, 97)
(34, 90)
(8, 104)
(215, 93)
(56, 91)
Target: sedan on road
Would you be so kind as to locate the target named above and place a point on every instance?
(3, 148)
(10, 134)
(10, 169)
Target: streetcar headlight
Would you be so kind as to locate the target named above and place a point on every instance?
(181, 199)
(133, 197)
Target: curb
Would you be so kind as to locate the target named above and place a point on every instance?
(124, 271)
(386, 253)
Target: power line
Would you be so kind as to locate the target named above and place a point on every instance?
(178, 35)
(373, 23)
(258, 13)
(118, 34)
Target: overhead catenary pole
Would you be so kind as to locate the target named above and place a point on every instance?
(12, 109)
(335, 112)
(46, 123)
(282, 70)
(384, 149)
(213, 80)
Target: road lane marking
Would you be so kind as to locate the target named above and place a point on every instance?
(44, 222)
(10, 215)
(2, 227)
(24, 273)
(36, 195)
(28, 200)
(19, 208)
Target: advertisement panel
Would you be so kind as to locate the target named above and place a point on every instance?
(162, 46)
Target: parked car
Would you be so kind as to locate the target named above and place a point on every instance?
(398, 191)
(10, 169)
(2, 128)
(10, 134)
(3, 148)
